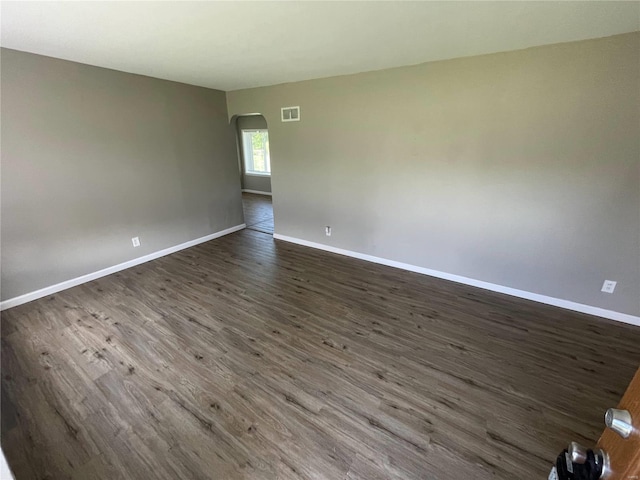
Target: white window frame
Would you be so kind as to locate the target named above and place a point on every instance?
(245, 170)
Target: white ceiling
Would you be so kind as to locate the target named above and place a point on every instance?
(233, 45)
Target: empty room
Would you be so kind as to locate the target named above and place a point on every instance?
(320, 240)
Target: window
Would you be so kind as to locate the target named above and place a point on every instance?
(255, 150)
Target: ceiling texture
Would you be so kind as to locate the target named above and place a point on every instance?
(234, 45)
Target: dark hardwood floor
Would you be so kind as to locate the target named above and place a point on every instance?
(258, 212)
(249, 358)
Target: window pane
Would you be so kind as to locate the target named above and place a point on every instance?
(255, 148)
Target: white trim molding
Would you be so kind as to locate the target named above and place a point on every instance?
(557, 302)
(43, 292)
(257, 192)
(5, 471)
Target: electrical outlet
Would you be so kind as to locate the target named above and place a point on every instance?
(609, 286)
(135, 241)
(327, 231)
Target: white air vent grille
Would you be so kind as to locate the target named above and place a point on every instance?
(290, 114)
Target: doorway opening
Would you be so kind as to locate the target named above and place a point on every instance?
(255, 172)
(258, 212)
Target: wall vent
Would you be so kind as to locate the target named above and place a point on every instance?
(290, 114)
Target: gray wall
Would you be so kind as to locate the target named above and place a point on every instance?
(251, 182)
(92, 157)
(519, 168)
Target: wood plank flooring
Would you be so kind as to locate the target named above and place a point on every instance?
(258, 212)
(249, 358)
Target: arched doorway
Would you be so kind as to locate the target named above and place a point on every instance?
(254, 161)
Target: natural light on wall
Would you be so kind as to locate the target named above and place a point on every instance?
(255, 148)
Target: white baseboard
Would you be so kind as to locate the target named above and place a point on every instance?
(5, 472)
(557, 302)
(43, 292)
(257, 192)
